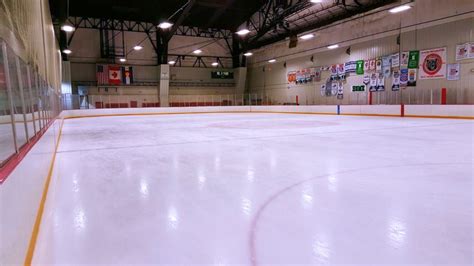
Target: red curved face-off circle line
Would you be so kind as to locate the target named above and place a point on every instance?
(272, 198)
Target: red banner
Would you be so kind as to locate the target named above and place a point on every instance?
(115, 75)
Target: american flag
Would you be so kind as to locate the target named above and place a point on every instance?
(102, 74)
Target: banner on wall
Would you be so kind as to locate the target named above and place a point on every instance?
(373, 82)
(412, 75)
(396, 80)
(386, 66)
(340, 91)
(366, 65)
(373, 64)
(323, 90)
(380, 82)
(334, 72)
(465, 51)
(413, 59)
(433, 63)
(378, 65)
(404, 60)
(334, 88)
(292, 77)
(366, 79)
(396, 60)
(350, 67)
(360, 67)
(404, 77)
(341, 71)
(454, 71)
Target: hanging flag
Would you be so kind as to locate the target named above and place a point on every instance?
(412, 74)
(340, 91)
(396, 60)
(404, 77)
(381, 82)
(102, 75)
(360, 67)
(404, 60)
(396, 80)
(373, 82)
(378, 65)
(366, 65)
(386, 66)
(127, 75)
(413, 59)
(115, 76)
(372, 64)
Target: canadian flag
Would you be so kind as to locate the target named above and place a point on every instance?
(115, 75)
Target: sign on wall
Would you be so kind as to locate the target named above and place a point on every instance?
(396, 80)
(412, 76)
(465, 51)
(396, 60)
(413, 59)
(358, 88)
(404, 77)
(433, 63)
(404, 60)
(454, 71)
(360, 67)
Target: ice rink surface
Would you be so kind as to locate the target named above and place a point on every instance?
(260, 189)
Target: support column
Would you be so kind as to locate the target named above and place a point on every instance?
(164, 84)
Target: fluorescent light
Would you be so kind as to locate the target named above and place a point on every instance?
(197, 51)
(67, 28)
(171, 62)
(399, 9)
(316, 1)
(165, 25)
(272, 61)
(215, 64)
(248, 54)
(67, 51)
(243, 32)
(137, 48)
(334, 46)
(123, 60)
(307, 36)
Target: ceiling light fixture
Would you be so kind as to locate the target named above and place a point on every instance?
(215, 64)
(67, 51)
(171, 62)
(67, 28)
(272, 61)
(316, 1)
(243, 32)
(165, 25)
(137, 47)
(399, 9)
(248, 54)
(197, 51)
(334, 46)
(307, 36)
(123, 60)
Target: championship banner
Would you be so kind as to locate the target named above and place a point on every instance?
(378, 65)
(386, 66)
(380, 82)
(412, 74)
(115, 75)
(373, 82)
(360, 67)
(404, 77)
(350, 67)
(404, 60)
(341, 71)
(340, 91)
(433, 64)
(396, 80)
(292, 77)
(396, 60)
(372, 64)
(334, 72)
(366, 65)
(413, 59)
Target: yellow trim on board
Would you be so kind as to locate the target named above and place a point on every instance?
(39, 215)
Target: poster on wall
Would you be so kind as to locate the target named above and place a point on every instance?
(323, 90)
(360, 67)
(381, 82)
(350, 67)
(373, 64)
(366, 79)
(378, 65)
(454, 71)
(334, 88)
(413, 59)
(341, 71)
(366, 65)
(462, 51)
(404, 77)
(340, 91)
(316, 74)
(386, 66)
(373, 82)
(396, 60)
(433, 63)
(292, 77)
(404, 60)
(396, 80)
(334, 72)
(412, 77)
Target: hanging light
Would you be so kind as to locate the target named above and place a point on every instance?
(67, 51)
(307, 36)
(399, 9)
(171, 62)
(215, 64)
(243, 32)
(272, 61)
(123, 60)
(197, 51)
(67, 28)
(334, 46)
(248, 54)
(137, 47)
(165, 25)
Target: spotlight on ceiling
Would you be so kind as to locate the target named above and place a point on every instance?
(123, 60)
(197, 51)
(165, 25)
(171, 62)
(67, 28)
(334, 46)
(215, 64)
(307, 36)
(272, 61)
(243, 32)
(399, 9)
(137, 47)
(248, 54)
(316, 1)
(67, 51)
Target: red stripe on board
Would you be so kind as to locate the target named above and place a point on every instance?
(12, 162)
(444, 96)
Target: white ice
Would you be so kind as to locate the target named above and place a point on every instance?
(260, 189)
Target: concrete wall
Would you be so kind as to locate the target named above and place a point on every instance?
(430, 24)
